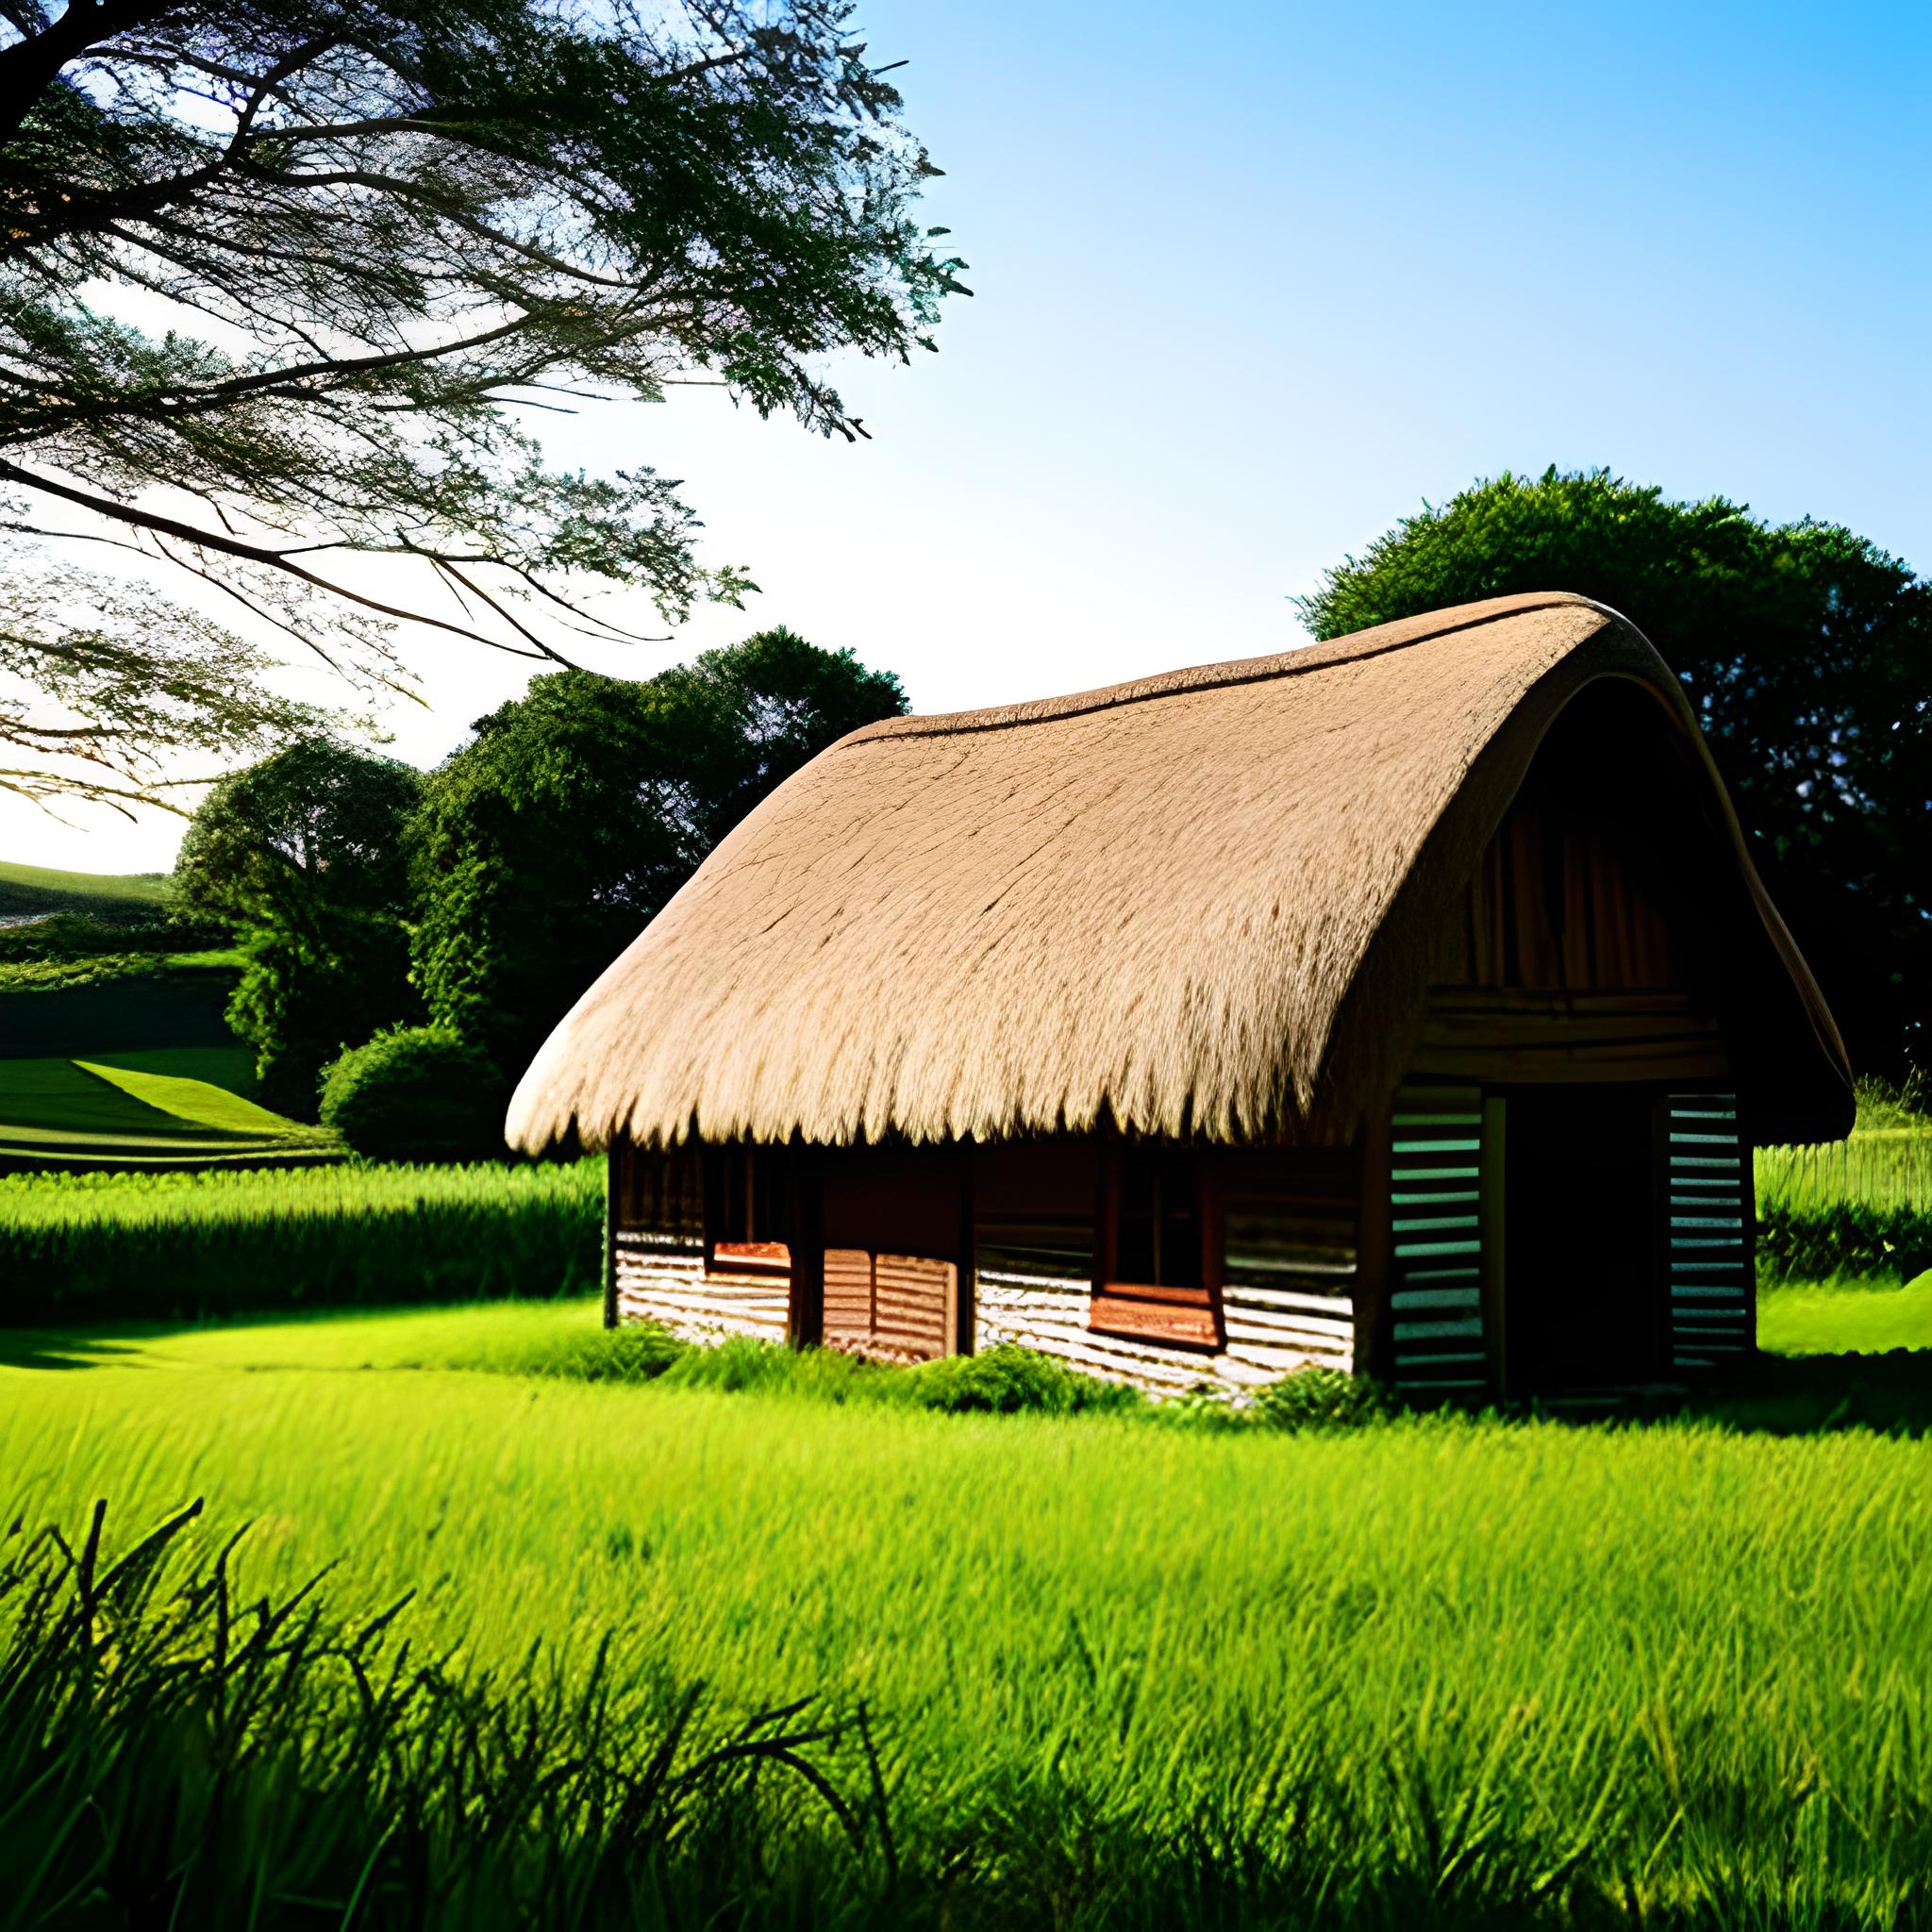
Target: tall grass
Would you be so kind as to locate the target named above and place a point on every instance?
(1857, 1206)
(174, 1751)
(1888, 1171)
(1439, 1672)
(95, 1247)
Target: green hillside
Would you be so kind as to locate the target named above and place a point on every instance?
(161, 1108)
(27, 889)
(116, 1053)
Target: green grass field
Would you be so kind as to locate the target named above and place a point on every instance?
(1127, 1671)
(1808, 1317)
(1131, 1669)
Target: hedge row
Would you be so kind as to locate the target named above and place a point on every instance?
(1847, 1238)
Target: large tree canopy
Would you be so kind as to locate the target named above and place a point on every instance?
(306, 853)
(358, 235)
(1808, 654)
(546, 844)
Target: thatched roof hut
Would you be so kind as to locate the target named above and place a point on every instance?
(1211, 904)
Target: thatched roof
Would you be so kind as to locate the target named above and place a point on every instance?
(1205, 903)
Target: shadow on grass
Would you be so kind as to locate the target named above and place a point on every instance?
(1777, 1395)
(49, 1348)
(1795, 1395)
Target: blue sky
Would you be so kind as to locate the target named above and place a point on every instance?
(1249, 291)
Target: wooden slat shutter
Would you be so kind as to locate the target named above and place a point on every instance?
(848, 1298)
(915, 1303)
(890, 1307)
(1436, 1201)
(1708, 1230)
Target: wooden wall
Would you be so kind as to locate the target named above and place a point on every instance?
(659, 1255)
(1287, 1268)
(662, 1278)
(929, 1251)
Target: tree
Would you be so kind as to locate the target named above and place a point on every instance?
(549, 841)
(306, 853)
(366, 232)
(1807, 653)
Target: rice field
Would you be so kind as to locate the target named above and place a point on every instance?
(1885, 1169)
(1124, 1672)
(94, 1245)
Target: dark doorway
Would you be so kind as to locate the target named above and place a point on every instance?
(1582, 1305)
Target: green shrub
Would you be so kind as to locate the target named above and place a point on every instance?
(1004, 1381)
(1010, 1380)
(1320, 1399)
(415, 1094)
(1852, 1237)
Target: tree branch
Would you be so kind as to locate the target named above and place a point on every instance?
(256, 553)
(29, 67)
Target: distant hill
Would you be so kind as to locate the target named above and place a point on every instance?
(114, 1051)
(29, 890)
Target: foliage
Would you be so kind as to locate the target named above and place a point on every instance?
(1803, 650)
(1003, 1381)
(1320, 1398)
(1860, 1206)
(380, 231)
(43, 975)
(1845, 1238)
(176, 1750)
(83, 1009)
(306, 991)
(1882, 1170)
(1446, 1674)
(95, 1247)
(1014, 1381)
(1884, 1106)
(65, 936)
(317, 823)
(416, 1093)
(546, 844)
(305, 851)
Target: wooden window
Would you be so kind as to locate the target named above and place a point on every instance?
(1156, 1281)
(744, 1220)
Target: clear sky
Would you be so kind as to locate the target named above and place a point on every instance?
(1255, 283)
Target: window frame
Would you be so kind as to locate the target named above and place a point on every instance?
(733, 1241)
(1159, 1314)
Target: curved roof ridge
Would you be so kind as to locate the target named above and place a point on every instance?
(1217, 917)
(1299, 660)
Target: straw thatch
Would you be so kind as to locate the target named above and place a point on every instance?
(1206, 902)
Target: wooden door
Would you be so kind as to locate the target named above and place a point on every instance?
(1581, 1294)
